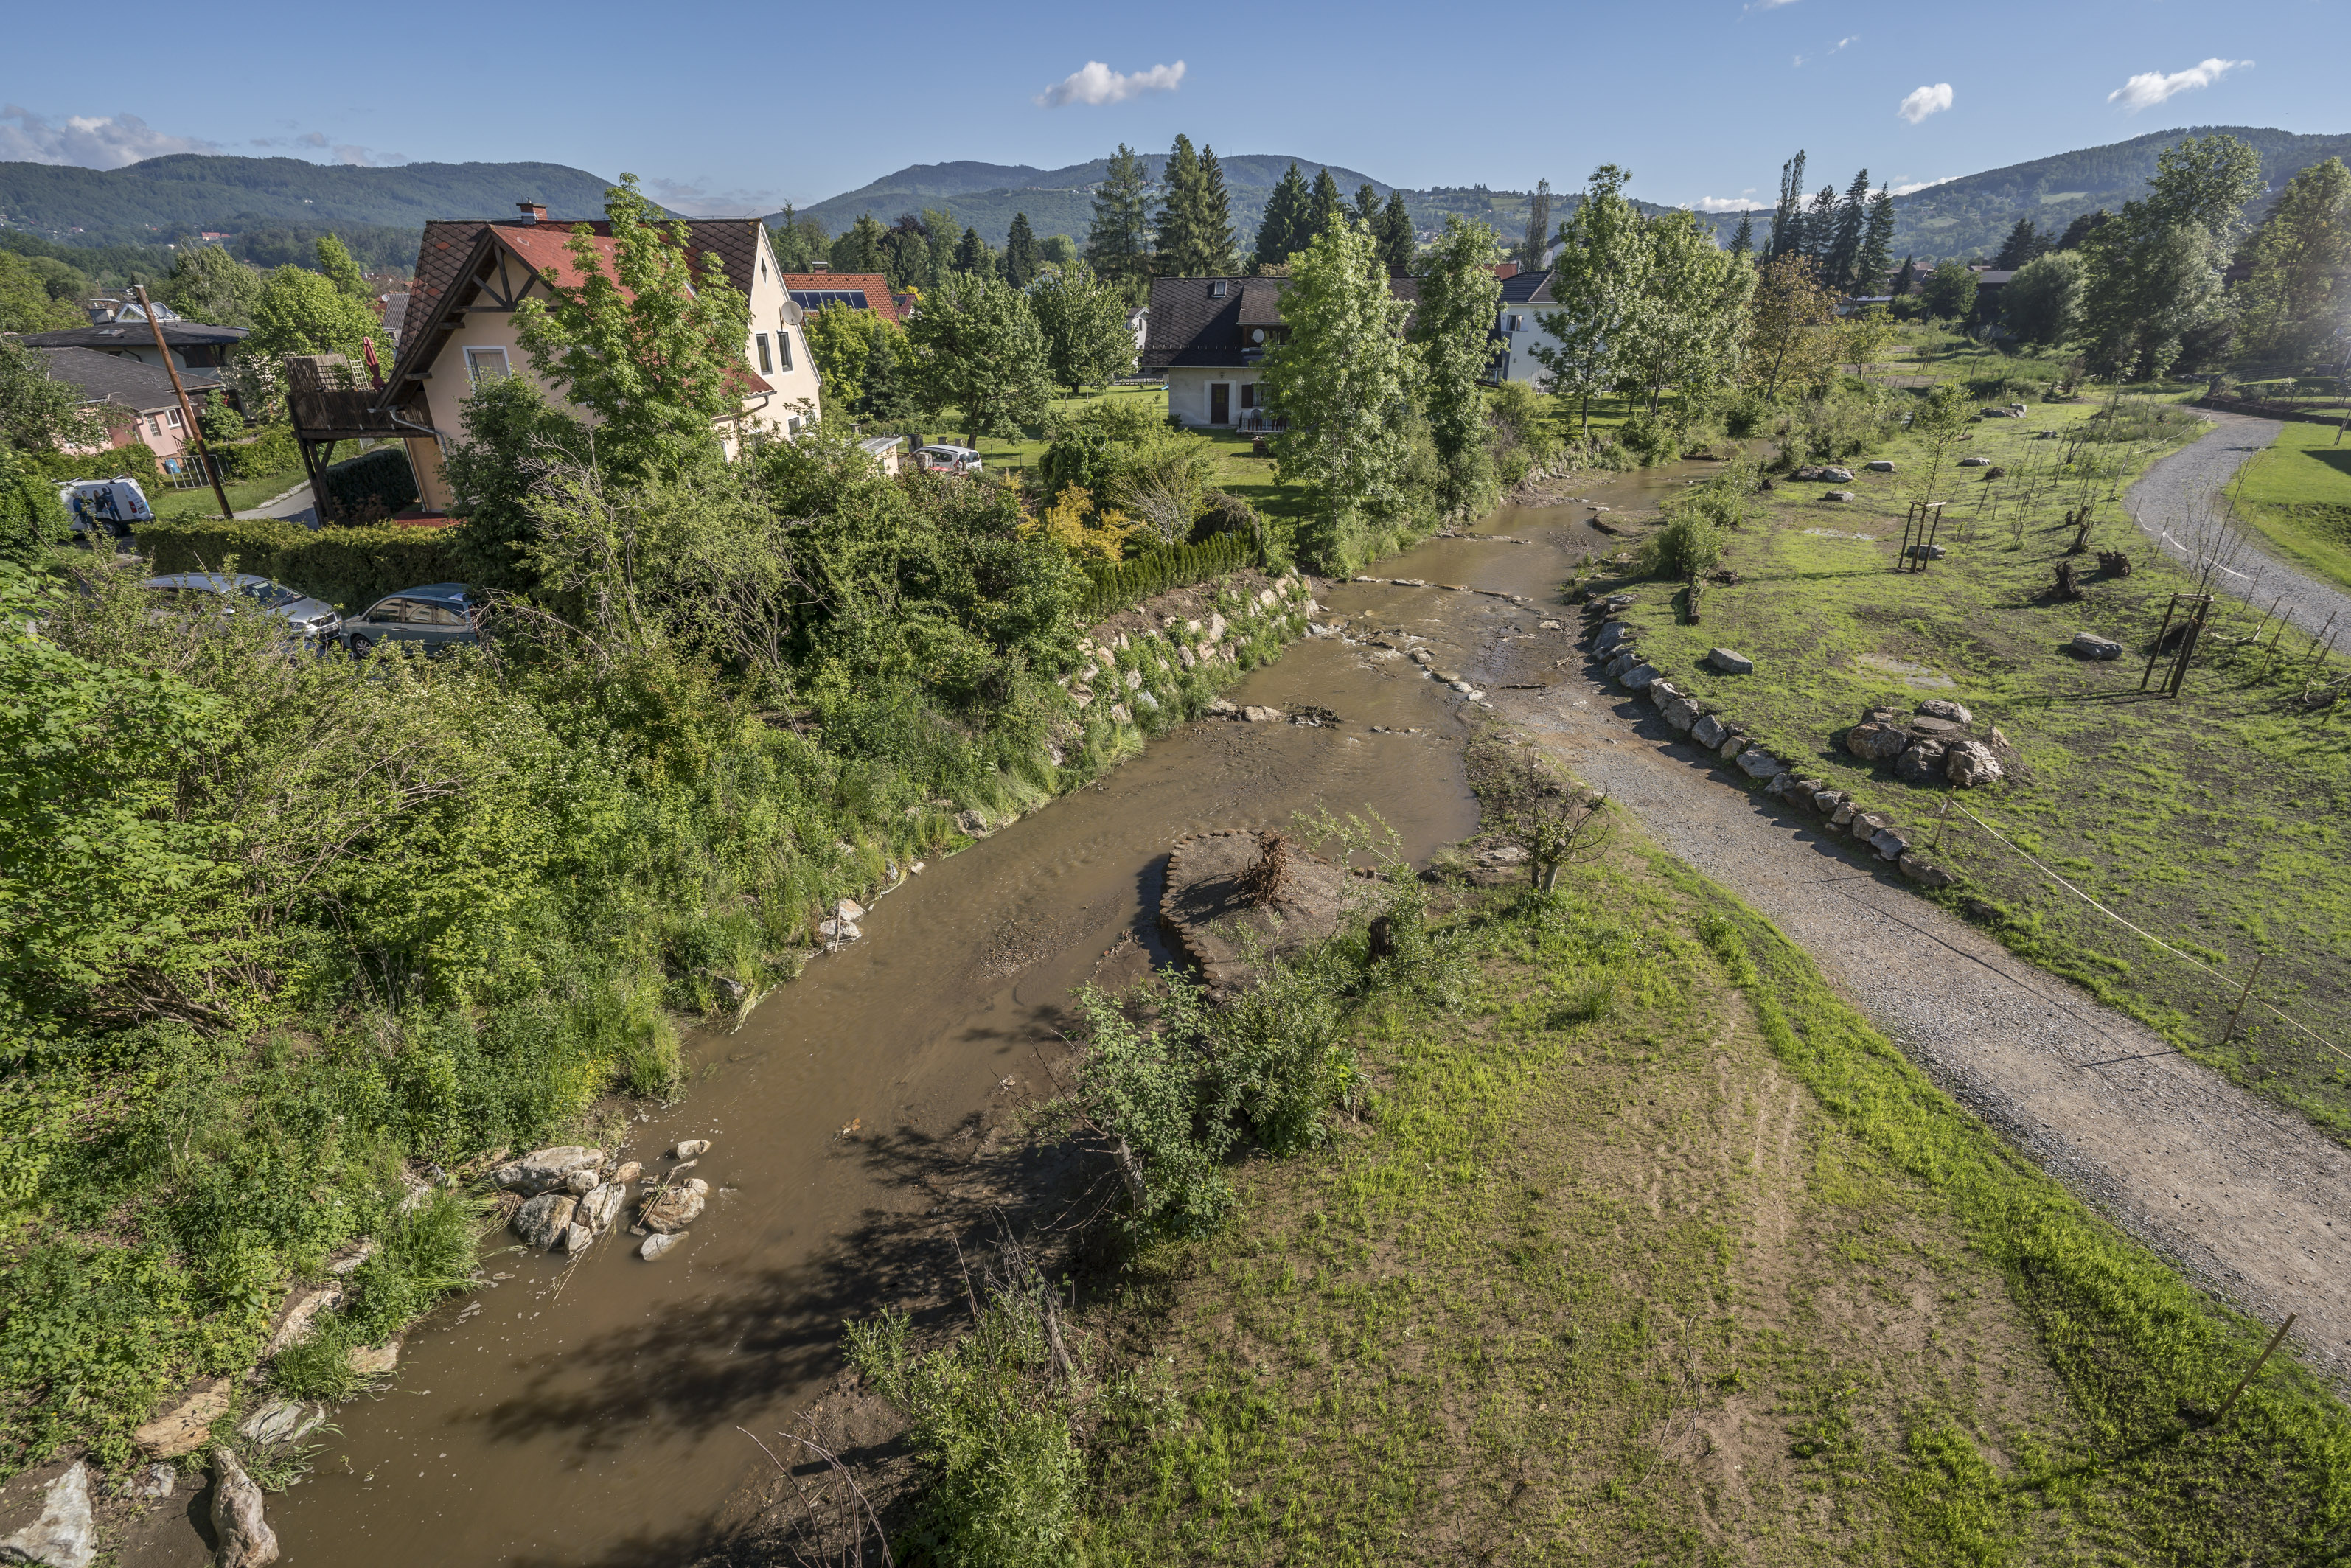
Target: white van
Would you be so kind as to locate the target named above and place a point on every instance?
(105, 507)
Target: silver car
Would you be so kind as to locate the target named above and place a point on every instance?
(312, 620)
(435, 617)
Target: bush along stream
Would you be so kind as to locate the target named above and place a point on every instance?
(296, 950)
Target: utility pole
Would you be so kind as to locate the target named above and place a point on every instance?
(187, 409)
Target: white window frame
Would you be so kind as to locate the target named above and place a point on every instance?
(783, 349)
(172, 418)
(473, 371)
(759, 339)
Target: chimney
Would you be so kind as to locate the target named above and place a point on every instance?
(531, 212)
(103, 311)
(820, 267)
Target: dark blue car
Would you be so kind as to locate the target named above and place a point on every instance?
(435, 617)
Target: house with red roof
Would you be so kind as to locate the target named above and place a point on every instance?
(457, 329)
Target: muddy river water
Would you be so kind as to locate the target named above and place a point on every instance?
(606, 1425)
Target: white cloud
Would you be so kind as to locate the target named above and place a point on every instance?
(367, 157)
(2148, 89)
(1841, 43)
(105, 141)
(1915, 185)
(1745, 201)
(1766, 5)
(1096, 83)
(1926, 100)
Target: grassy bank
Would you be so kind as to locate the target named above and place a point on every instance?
(2298, 494)
(1640, 1245)
(2214, 822)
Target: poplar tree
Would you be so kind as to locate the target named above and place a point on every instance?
(1538, 240)
(1844, 260)
(1396, 239)
(1788, 217)
(1219, 252)
(1876, 243)
(1288, 214)
(1330, 208)
(1176, 236)
(1453, 328)
(1020, 253)
(1338, 377)
(1118, 243)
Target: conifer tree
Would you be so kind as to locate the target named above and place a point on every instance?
(1367, 208)
(1118, 245)
(1844, 258)
(1288, 215)
(1820, 223)
(1744, 240)
(1788, 217)
(1175, 236)
(1219, 252)
(1877, 244)
(1396, 235)
(2023, 243)
(1020, 253)
(1905, 277)
(972, 254)
(1329, 210)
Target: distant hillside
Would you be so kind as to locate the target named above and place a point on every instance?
(164, 198)
(1968, 217)
(1058, 200)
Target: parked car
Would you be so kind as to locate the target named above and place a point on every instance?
(433, 617)
(313, 620)
(945, 459)
(105, 508)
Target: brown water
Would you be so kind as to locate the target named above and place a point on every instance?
(600, 1427)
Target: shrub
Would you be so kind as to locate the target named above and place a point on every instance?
(1651, 438)
(350, 567)
(1114, 587)
(1690, 543)
(30, 513)
(1222, 514)
(371, 485)
(273, 452)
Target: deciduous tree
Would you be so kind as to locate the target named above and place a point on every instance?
(2299, 291)
(1538, 235)
(978, 350)
(1341, 377)
(1790, 327)
(1951, 291)
(209, 285)
(1453, 328)
(1083, 318)
(650, 342)
(2152, 276)
(1600, 282)
(1685, 332)
(2043, 303)
(860, 249)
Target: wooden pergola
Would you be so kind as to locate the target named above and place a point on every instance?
(328, 404)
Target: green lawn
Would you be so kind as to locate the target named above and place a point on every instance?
(1650, 1251)
(2218, 821)
(2298, 494)
(244, 494)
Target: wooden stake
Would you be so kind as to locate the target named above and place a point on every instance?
(187, 409)
(2235, 1394)
(2241, 996)
(1940, 818)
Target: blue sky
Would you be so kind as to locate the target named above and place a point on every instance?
(739, 108)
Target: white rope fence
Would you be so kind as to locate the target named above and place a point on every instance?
(2186, 957)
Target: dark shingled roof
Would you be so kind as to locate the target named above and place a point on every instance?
(137, 335)
(1530, 289)
(1190, 326)
(110, 377)
(448, 241)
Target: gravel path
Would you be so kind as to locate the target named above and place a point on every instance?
(2166, 503)
(2248, 1199)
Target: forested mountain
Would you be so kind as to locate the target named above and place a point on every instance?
(161, 199)
(1968, 217)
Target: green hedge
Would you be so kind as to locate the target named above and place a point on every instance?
(380, 478)
(351, 568)
(272, 451)
(1113, 588)
(138, 460)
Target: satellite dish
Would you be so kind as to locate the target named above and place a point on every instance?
(1257, 335)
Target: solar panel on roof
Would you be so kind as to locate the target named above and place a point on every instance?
(818, 299)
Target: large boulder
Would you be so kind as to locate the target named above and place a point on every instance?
(1613, 633)
(1882, 465)
(1837, 476)
(602, 1206)
(544, 1170)
(66, 1535)
(183, 1427)
(1838, 495)
(1638, 677)
(1708, 732)
(281, 1420)
(1875, 742)
(1729, 661)
(674, 1210)
(1945, 708)
(1971, 764)
(1890, 844)
(543, 1220)
(1681, 712)
(244, 1537)
(1757, 763)
(2090, 645)
(1921, 764)
(657, 1244)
